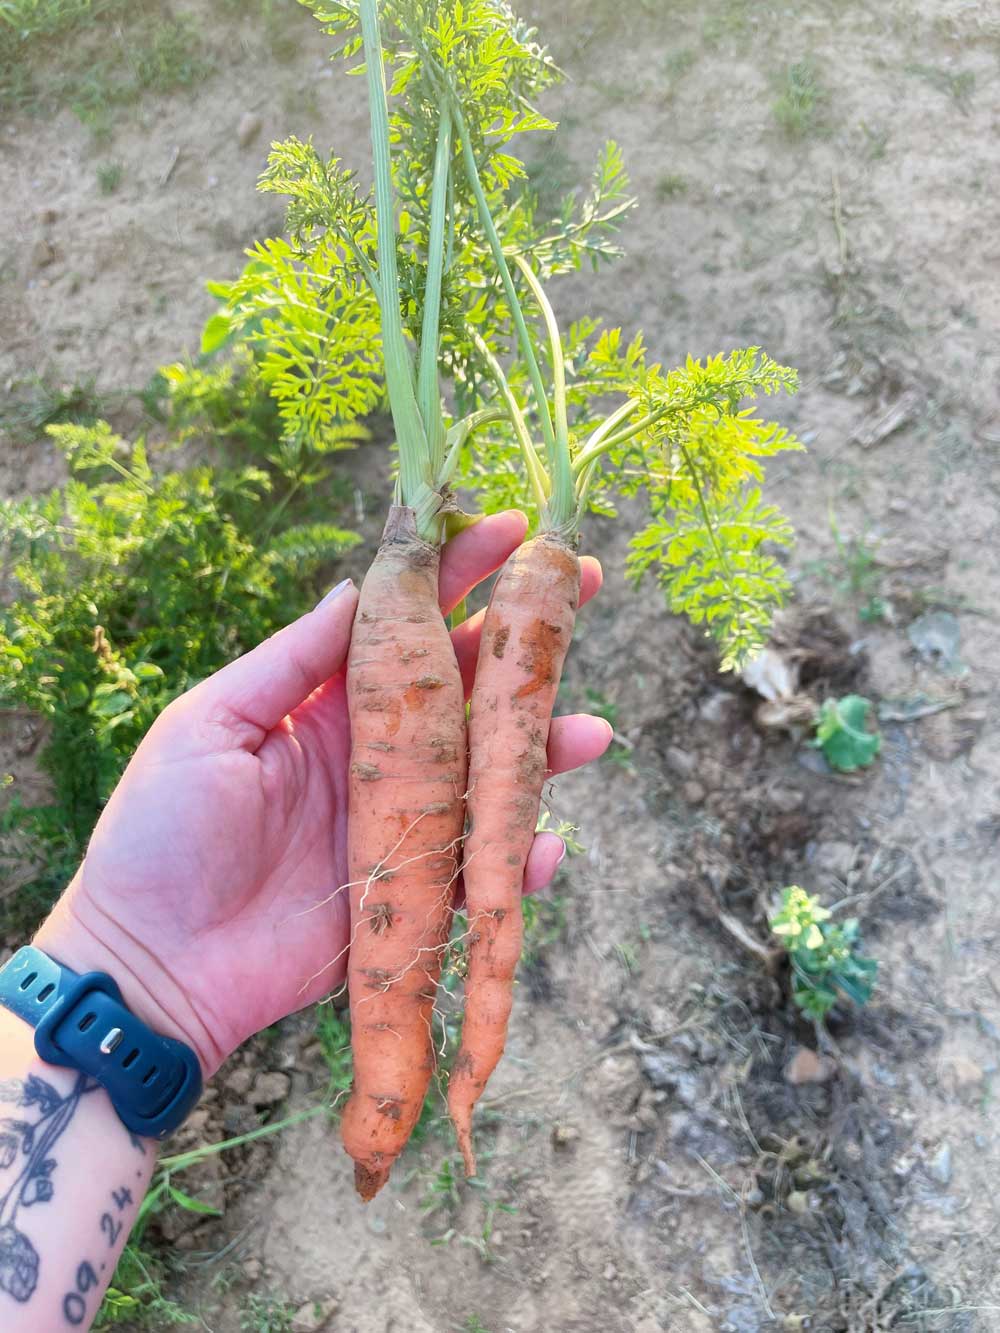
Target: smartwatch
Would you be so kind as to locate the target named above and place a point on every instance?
(81, 1023)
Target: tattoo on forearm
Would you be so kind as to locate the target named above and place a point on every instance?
(74, 1302)
(26, 1169)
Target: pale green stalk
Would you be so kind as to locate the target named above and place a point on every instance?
(428, 386)
(562, 506)
(412, 486)
(489, 227)
(595, 448)
(458, 435)
(532, 463)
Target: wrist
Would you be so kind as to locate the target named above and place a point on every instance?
(85, 939)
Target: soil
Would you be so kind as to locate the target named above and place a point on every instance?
(648, 1162)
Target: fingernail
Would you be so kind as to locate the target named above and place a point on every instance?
(334, 592)
(562, 856)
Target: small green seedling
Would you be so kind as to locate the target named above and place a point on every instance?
(843, 736)
(826, 964)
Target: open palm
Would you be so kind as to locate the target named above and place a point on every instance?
(212, 887)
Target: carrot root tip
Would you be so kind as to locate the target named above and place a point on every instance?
(369, 1180)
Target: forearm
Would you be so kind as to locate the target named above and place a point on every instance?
(71, 1181)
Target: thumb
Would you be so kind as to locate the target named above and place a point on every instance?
(250, 696)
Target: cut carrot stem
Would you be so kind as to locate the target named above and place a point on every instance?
(407, 783)
(526, 634)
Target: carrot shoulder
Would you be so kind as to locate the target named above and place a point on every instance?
(526, 634)
(405, 822)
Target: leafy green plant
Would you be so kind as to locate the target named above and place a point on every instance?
(444, 1193)
(313, 310)
(333, 1031)
(153, 52)
(842, 733)
(109, 176)
(826, 965)
(801, 99)
(131, 584)
(266, 1314)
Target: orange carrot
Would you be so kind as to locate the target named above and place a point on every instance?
(405, 821)
(526, 634)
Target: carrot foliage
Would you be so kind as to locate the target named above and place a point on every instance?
(505, 404)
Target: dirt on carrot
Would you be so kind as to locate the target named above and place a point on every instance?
(526, 635)
(407, 783)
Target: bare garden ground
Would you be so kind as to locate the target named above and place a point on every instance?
(818, 178)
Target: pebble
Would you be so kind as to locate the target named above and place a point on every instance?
(666, 1072)
(836, 858)
(47, 216)
(269, 1089)
(680, 762)
(248, 128)
(812, 760)
(717, 707)
(964, 1074)
(564, 1135)
(252, 1269)
(313, 1316)
(693, 793)
(43, 253)
(786, 800)
(803, 1202)
(806, 1066)
(239, 1082)
(940, 1165)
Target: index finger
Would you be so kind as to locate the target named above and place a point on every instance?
(475, 553)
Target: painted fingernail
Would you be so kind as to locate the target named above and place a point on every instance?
(562, 856)
(334, 592)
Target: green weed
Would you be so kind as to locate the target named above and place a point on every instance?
(137, 1296)
(826, 964)
(443, 1193)
(106, 626)
(46, 401)
(670, 186)
(279, 24)
(676, 65)
(801, 100)
(545, 922)
(876, 139)
(854, 574)
(119, 54)
(842, 733)
(333, 1031)
(266, 1314)
(109, 176)
(729, 20)
(959, 85)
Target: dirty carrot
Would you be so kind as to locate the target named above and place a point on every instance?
(407, 781)
(526, 633)
(684, 438)
(405, 699)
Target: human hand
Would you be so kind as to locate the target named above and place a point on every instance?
(211, 887)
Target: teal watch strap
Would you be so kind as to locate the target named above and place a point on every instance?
(81, 1022)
